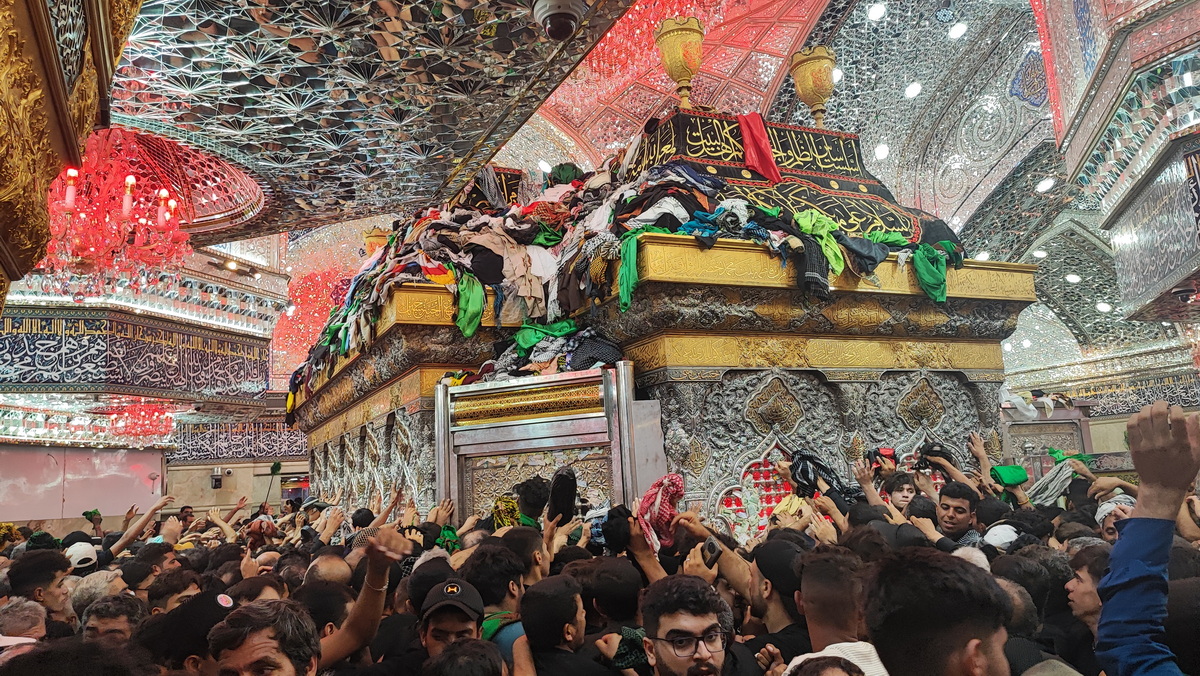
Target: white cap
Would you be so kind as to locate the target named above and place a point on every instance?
(1000, 536)
(81, 554)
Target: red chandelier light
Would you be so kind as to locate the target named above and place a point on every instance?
(115, 221)
(141, 424)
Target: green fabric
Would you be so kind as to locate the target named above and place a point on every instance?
(470, 304)
(627, 276)
(774, 211)
(565, 173)
(1009, 475)
(930, 267)
(821, 228)
(531, 334)
(494, 622)
(630, 654)
(448, 540)
(530, 521)
(888, 238)
(547, 236)
(953, 252)
(1060, 456)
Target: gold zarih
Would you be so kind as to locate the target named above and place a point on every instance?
(525, 404)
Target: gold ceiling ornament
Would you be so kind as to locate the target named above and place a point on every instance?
(679, 40)
(812, 70)
(774, 408)
(697, 457)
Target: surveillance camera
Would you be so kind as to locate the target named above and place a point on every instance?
(1184, 294)
(228, 472)
(559, 18)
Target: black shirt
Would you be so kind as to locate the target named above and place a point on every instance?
(792, 641)
(558, 662)
(739, 661)
(395, 636)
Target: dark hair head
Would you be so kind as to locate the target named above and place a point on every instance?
(362, 517)
(112, 607)
(1079, 516)
(923, 507)
(820, 666)
(957, 490)
(831, 585)
(155, 553)
(867, 543)
(1032, 522)
(1093, 559)
(923, 605)
(490, 570)
(991, 510)
(168, 584)
(584, 572)
(25, 531)
(798, 538)
(467, 657)
(173, 637)
(1057, 564)
(1069, 530)
(565, 556)
(775, 561)
(1029, 574)
(287, 622)
(1184, 563)
(897, 481)
(325, 602)
(291, 567)
(678, 594)
(862, 513)
(424, 579)
(223, 554)
(524, 542)
(1025, 621)
(532, 495)
(616, 585)
(36, 569)
(79, 658)
(547, 607)
(251, 588)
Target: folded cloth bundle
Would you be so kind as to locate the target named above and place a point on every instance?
(657, 510)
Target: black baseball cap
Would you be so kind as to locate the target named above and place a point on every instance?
(775, 559)
(457, 593)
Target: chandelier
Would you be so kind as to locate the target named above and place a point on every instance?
(115, 221)
(140, 424)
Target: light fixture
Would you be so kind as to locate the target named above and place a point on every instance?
(1044, 185)
(913, 90)
(983, 256)
(836, 75)
(258, 275)
(288, 269)
(958, 30)
(1187, 78)
(1103, 307)
(291, 309)
(1074, 278)
(882, 151)
(1040, 254)
(1026, 343)
(1166, 323)
(544, 166)
(231, 265)
(1008, 347)
(877, 11)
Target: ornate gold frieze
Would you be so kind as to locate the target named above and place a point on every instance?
(525, 404)
(417, 384)
(121, 16)
(84, 101)
(677, 259)
(819, 352)
(28, 162)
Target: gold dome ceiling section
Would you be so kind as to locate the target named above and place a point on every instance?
(343, 108)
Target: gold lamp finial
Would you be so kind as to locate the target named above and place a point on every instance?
(812, 70)
(679, 41)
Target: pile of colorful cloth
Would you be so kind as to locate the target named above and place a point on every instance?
(574, 246)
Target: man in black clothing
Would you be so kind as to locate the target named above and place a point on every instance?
(616, 585)
(681, 614)
(772, 599)
(552, 612)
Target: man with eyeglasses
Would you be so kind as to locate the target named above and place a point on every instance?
(684, 635)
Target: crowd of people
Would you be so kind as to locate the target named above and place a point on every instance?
(901, 578)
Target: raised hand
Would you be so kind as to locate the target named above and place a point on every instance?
(863, 473)
(976, 448)
(386, 546)
(130, 513)
(926, 527)
(608, 644)
(694, 565)
(692, 523)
